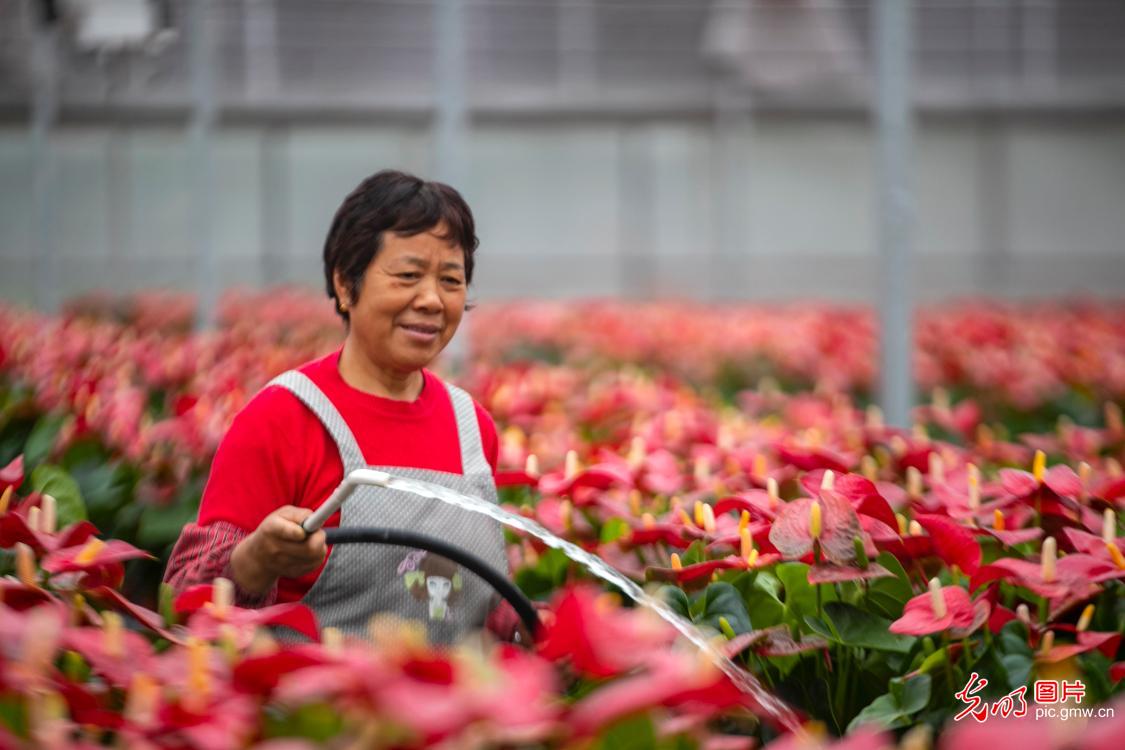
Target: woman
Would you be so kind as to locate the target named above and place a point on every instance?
(397, 263)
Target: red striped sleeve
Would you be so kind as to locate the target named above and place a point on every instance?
(202, 554)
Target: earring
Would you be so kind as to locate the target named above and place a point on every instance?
(341, 306)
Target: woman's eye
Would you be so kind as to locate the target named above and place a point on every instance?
(452, 280)
(409, 275)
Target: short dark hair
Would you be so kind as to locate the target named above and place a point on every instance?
(396, 202)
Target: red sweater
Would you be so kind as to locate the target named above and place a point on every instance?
(276, 453)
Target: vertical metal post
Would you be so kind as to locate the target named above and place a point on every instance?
(204, 113)
(638, 269)
(119, 201)
(450, 128)
(730, 188)
(893, 31)
(577, 46)
(451, 59)
(44, 112)
(274, 200)
(1040, 46)
(263, 69)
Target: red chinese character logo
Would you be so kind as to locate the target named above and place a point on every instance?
(968, 695)
(1012, 704)
(1046, 691)
(1075, 690)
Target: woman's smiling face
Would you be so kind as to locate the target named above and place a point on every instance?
(410, 300)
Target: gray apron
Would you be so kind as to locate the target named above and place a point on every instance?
(361, 580)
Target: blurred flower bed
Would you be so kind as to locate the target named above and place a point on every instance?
(863, 573)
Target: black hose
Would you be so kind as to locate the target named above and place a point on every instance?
(403, 538)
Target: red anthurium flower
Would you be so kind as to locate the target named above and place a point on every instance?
(14, 529)
(152, 620)
(672, 678)
(808, 459)
(207, 619)
(12, 474)
(757, 503)
(1055, 495)
(939, 609)
(1107, 643)
(829, 521)
(660, 473)
(354, 676)
(1075, 575)
(20, 597)
(994, 733)
(599, 476)
(700, 573)
(1010, 537)
(863, 738)
(953, 543)
(828, 573)
(516, 479)
(1117, 671)
(92, 555)
(260, 675)
(673, 534)
(509, 698)
(114, 652)
(1111, 490)
(589, 631)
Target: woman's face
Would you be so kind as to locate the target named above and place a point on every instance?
(410, 300)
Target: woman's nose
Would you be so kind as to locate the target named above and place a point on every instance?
(428, 298)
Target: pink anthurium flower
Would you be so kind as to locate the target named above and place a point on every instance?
(12, 474)
(939, 609)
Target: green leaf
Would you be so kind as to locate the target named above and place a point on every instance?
(634, 733)
(160, 526)
(42, 438)
(614, 529)
(894, 709)
(540, 580)
(865, 630)
(318, 722)
(890, 595)
(799, 594)
(722, 600)
(695, 553)
(56, 482)
(934, 661)
(764, 609)
(677, 599)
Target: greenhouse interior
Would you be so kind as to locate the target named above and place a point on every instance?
(790, 418)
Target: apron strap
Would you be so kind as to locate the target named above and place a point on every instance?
(310, 394)
(473, 460)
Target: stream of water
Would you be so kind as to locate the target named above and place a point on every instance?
(776, 710)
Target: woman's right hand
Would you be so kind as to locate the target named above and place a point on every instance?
(278, 548)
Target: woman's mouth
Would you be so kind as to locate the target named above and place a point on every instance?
(421, 332)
